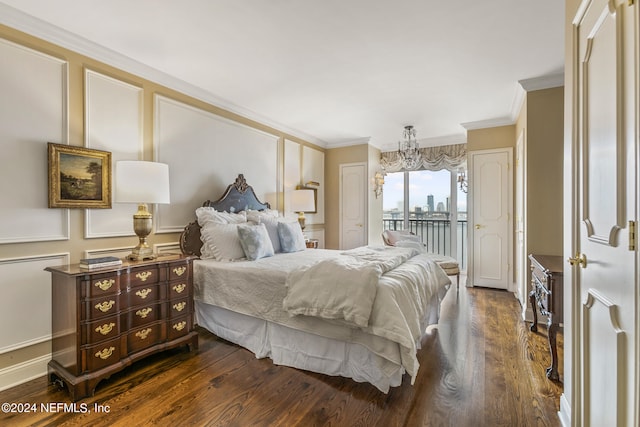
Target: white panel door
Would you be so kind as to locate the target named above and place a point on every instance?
(353, 213)
(604, 266)
(490, 189)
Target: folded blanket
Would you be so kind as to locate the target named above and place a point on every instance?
(343, 288)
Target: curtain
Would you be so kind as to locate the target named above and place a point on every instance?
(450, 157)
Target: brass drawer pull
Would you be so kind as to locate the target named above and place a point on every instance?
(179, 288)
(179, 326)
(180, 270)
(105, 306)
(142, 293)
(144, 312)
(179, 306)
(106, 328)
(144, 275)
(105, 284)
(143, 334)
(106, 353)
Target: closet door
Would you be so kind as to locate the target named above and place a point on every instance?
(490, 184)
(353, 203)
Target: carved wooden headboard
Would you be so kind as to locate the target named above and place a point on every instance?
(238, 196)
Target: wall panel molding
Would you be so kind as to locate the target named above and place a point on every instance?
(37, 85)
(114, 123)
(30, 301)
(218, 150)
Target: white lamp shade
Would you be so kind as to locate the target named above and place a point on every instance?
(141, 182)
(303, 201)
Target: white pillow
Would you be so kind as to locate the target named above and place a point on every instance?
(221, 242)
(255, 241)
(396, 236)
(291, 237)
(210, 215)
(253, 215)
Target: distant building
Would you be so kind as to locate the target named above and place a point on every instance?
(430, 204)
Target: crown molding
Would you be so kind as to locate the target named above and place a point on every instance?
(490, 123)
(352, 142)
(544, 82)
(36, 27)
(523, 86)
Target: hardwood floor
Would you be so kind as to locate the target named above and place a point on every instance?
(480, 367)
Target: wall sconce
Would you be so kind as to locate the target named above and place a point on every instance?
(142, 182)
(378, 183)
(462, 181)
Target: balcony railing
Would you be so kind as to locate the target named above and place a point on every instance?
(435, 233)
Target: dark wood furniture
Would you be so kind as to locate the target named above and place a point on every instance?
(104, 320)
(546, 295)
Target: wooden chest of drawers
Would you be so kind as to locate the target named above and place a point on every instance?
(104, 320)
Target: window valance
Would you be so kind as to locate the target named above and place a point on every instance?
(450, 157)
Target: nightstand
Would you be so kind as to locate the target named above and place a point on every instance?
(104, 320)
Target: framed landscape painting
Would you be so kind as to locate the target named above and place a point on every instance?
(79, 177)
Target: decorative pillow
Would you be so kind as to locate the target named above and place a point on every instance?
(291, 238)
(255, 241)
(394, 237)
(210, 215)
(271, 224)
(221, 242)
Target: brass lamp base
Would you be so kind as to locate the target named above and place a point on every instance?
(302, 220)
(142, 222)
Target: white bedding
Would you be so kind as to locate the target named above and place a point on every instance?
(406, 301)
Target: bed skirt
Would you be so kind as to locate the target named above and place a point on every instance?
(299, 349)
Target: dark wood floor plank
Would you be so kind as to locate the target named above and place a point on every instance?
(480, 366)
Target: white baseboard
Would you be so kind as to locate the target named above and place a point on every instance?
(23, 372)
(565, 411)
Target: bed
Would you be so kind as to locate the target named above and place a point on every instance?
(359, 314)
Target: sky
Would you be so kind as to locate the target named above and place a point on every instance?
(421, 184)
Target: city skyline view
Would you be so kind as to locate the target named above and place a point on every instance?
(421, 185)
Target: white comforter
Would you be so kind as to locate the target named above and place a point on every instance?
(406, 300)
(343, 287)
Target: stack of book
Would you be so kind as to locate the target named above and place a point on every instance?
(102, 262)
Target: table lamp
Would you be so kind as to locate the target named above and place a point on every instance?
(142, 183)
(302, 201)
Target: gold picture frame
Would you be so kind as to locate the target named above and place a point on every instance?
(79, 177)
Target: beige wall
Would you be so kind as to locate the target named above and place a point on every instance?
(495, 137)
(544, 157)
(333, 159)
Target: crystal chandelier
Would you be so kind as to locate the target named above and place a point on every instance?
(409, 150)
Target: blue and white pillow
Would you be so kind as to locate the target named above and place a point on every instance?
(291, 237)
(255, 241)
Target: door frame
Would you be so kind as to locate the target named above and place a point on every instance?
(471, 216)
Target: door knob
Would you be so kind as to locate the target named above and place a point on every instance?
(579, 259)
(478, 226)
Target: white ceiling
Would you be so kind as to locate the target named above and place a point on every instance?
(333, 72)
